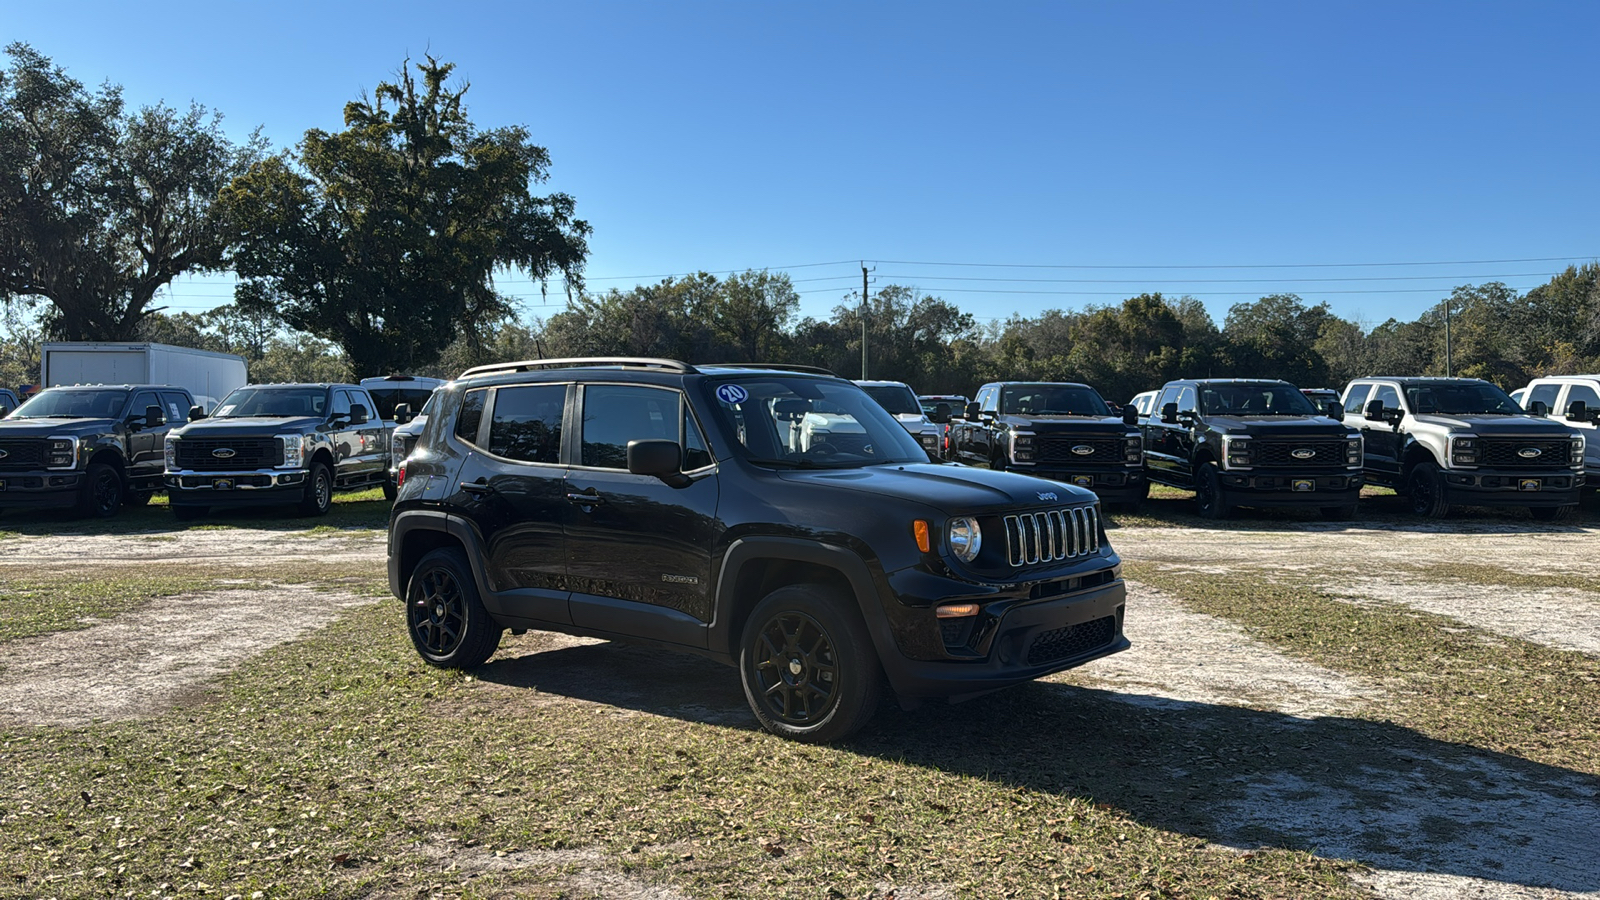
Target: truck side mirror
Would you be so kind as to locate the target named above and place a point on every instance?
(1169, 413)
(663, 459)
(402, 413)
(153, 418)
(4, 410)
(1373, 411)
(1130, 415)
(358, 414)
(1577, 411)
(941, 413)
(1336, 410)
(1393, 415)
(1538, 408)
(196, 414)
(971, 412)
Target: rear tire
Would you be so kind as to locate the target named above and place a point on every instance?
(1425, 490)
(318, 497)
(808, 666)
(100, 494)
(445, 616)
(1552, 513)
(1208, 493)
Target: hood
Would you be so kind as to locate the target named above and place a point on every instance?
(15, 428)
(1496, 426)
(249, 426)
(915, 423)
(1112, 425)
(833, 424)
(957, 490)
(1280, 426)
(412, 427)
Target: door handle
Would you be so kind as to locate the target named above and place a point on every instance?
(585, 499)
(479, 487)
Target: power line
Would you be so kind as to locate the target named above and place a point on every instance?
(1286, 280)
(1459, 262)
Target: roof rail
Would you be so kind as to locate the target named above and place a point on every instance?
(595, 362)
(776, 367)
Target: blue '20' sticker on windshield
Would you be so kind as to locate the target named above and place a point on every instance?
(732, 393)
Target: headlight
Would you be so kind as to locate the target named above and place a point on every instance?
(294, 451)
(1132, 450)
(1021, 447)
(61, 453)
(930, 441)
(1352, 452)
(1464, 450)
(170, 451)
(397, 449)
(1235, 452)
(1577, 451)
(966, 538)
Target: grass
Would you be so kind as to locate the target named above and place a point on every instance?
(33, 605)
(356, 511)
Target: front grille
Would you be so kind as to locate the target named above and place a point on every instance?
(248, 453)
(22, 453)
(1057, 448)
(1507, 453)
(1073, 640)
(1052, 535)
(1281, 454)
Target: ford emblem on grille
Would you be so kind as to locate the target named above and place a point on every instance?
(222, 453)
(1047, 495)
(4, 454)
(1083, 450)
(1530, 452)
(1303, 453)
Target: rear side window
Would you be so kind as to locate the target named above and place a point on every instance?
(471, 415)
(526, 424)
(614, 414)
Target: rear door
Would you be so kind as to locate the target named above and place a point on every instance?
(638, 550)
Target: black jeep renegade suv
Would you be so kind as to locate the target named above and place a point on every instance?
(775, 519)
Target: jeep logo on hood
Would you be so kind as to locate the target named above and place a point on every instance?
(1083, 450)
(1530, 452)
(1302, 453)
(222, 453)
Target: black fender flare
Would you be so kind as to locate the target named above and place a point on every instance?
(408, 521)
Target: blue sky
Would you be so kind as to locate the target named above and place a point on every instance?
(1081, 152)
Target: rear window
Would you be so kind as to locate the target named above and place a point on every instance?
(471, 415)
(386, 399)
(526, 423)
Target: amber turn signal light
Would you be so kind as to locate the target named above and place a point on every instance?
(956, 610)
(919, 527)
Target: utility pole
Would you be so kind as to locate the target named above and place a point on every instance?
(863, 320)
(1447, 304)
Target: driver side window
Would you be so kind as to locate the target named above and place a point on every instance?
(1356, 400)
(341, 404)
(1186, 400)
(1389, 396)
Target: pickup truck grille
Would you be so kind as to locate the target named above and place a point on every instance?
(1506, 453)
(1057, 448)
(198, 454)
(1052, 535)
(22, 453)
(1281, 454)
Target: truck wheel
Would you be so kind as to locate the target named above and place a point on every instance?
(1208, 493)
(190, 513)
(1339, 513)
(807, 664)
(318, 498)
(1552, 513)
(100, 494)
(389, 489)
(137, 498)
(444, 615)
(1425, 490)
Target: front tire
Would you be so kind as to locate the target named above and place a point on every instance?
(445, 616)
(1425, 490)
(807, 664)
(1208, 493)
(318, 497)
(100, 495)
(1552, 513)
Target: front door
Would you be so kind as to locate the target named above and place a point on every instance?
(639, 550)
(1383, 442)
(146, 446)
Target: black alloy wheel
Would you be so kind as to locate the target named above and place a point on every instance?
(807, 664)
(1208, 493)
(444, 615)
(1425, 490)
(797, 669)
(101, 492)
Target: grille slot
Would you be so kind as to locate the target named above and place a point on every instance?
(1281, 453)
(22, 453)
(1051, 535)
(1505, 453)
(1058, 449)
(1073, 640)
(248, 453)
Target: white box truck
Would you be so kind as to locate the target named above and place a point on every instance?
(209, 376)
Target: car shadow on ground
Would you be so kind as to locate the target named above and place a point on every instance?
(1377, 512)
(1374, 792)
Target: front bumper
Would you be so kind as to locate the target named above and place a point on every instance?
(1260, 489)
(39, 489)
(1111, 485)
(1499, 487)
(254, 487)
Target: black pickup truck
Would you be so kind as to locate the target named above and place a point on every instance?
(277, 444)
(91, 448)
(1061, 431)
(1253, 443)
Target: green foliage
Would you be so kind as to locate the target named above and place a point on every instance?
(384, 238)
(99, 208)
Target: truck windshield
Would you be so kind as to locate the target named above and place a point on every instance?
(794, 422)
(896, 398)
(1254, 400)
(1460, 399)
(73, 404)
(1052, 400)
(273, 403)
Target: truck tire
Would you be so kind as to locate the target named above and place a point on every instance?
(1208, 499)
(808, 666)
(1552, 513)
(133, 497)
(100, 494)
(318, 497)
(445, 616)
(1425, 490)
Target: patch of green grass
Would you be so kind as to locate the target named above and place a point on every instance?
(31, 606)
(358, 511)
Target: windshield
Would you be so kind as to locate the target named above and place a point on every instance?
(273, 403)
(1254, 400)
(387, 399)
(896, 398)
(1460, 399)
(797, 422)
(73, 405)
(1052, 400)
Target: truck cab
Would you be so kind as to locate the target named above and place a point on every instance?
(1573, 400)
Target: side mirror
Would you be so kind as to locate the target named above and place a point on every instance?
(1187, 417)
(153, 417)
(4, 410)
(358, 414)
(1373, 410)
(1130, 415)
(663, 459)
(1578, 411)
(1169, 413)
(1540, 408)
(196, 414)
(402, 413)
(1393, 415)
(1336, 410)
(941, 413)
(971, 412)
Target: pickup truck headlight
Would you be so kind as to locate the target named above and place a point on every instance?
(1464, 450)
(169, 449)
(61, 453)
(1577, 452)
(1133, 450)
(1021, 447)
(966, 538)
(398, 451)
(1235, 452)
(294, 451)
(1352, 452)
(930, 441)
